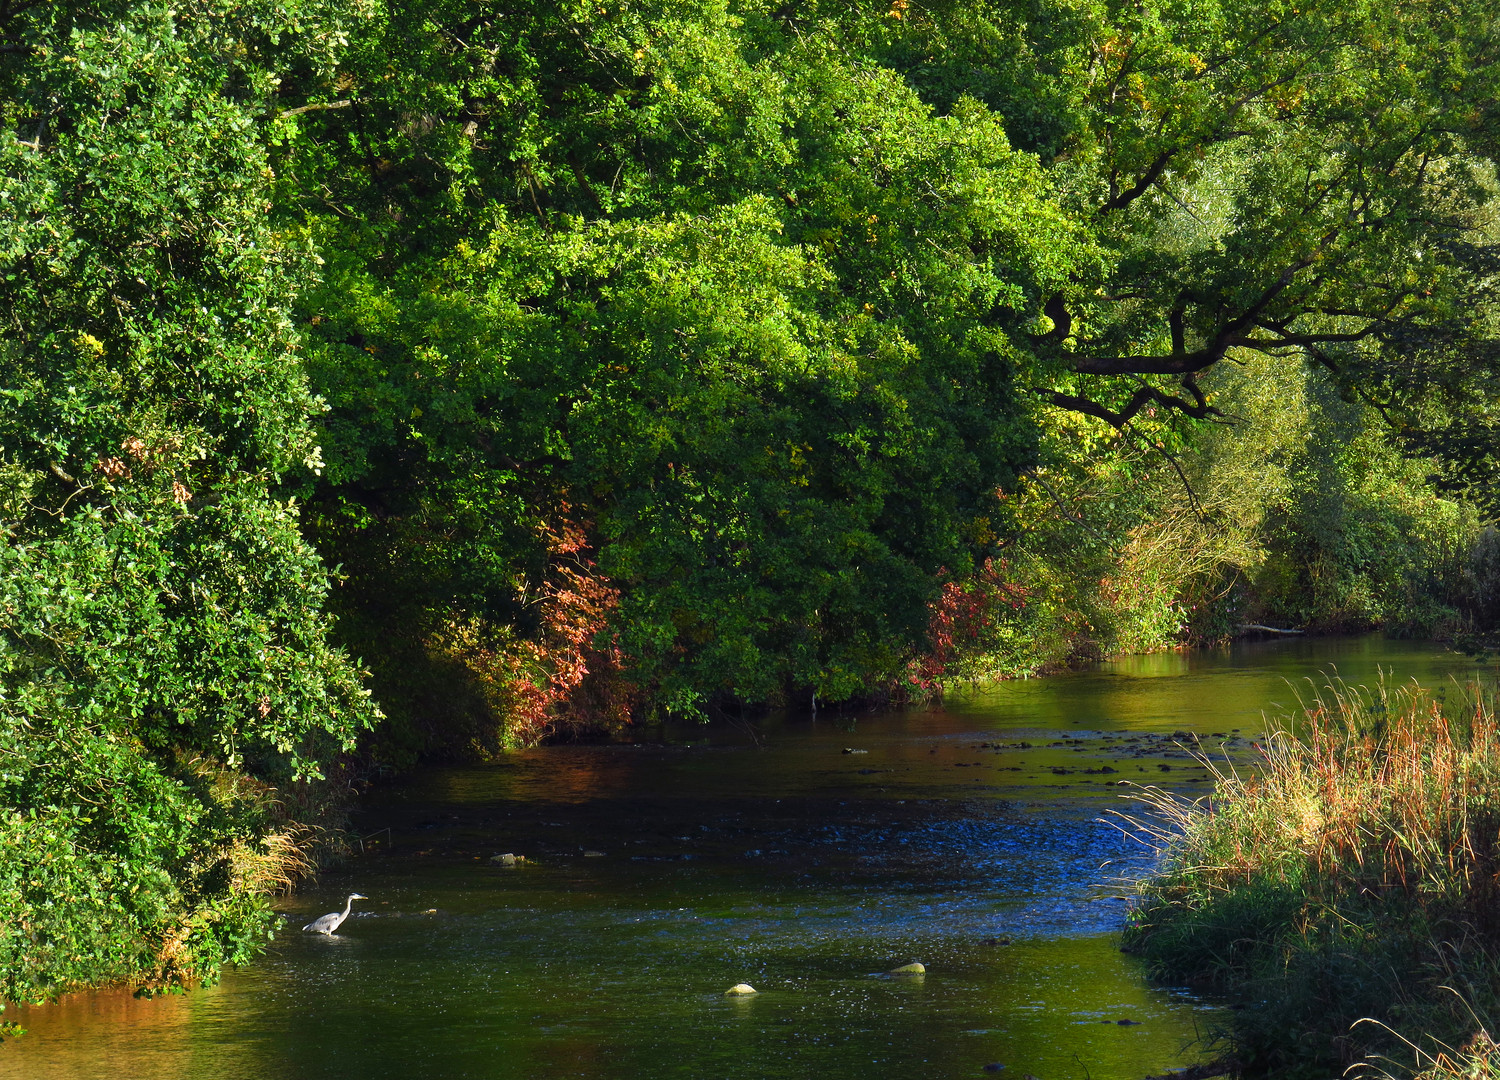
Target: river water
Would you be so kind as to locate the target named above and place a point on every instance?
(804, 856)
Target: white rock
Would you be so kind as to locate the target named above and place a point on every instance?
(740, 990)
(908, 969)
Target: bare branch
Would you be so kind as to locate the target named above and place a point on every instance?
(1075, 518)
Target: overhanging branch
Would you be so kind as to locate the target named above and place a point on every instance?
(1198, 409)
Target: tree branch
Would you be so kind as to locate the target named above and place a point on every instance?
(319, 107)
(1145, 395)
(1228, 336)
(1124, 198)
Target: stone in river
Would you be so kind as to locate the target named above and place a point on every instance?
(908, 969)
(852, 750)
(740, 990)
(505, 860)
(593, 854)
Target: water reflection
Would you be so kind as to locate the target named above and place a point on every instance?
(966, 838)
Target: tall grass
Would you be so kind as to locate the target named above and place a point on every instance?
(1353, 873)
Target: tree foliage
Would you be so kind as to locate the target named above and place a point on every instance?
(159, 610)
(633, 358)
(768, 297)
(714, 279)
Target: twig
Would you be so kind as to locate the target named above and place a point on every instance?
(1075, 518)
(316, 107)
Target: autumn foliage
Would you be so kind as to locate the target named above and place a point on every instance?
(967, 620)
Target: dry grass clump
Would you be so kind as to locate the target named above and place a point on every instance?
(276, 864)
(1370, 793)
(1355, 872)
(1477, 1059)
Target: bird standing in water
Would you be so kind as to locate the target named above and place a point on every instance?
(327, 924)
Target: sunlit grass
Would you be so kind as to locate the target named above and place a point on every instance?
(1354, 872)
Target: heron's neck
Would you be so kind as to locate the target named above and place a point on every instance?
(347, 905)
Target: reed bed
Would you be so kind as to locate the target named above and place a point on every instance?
(1352, 874)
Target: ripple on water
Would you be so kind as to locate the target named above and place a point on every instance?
(775, 860)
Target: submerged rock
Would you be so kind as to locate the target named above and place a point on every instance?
(740, 990)
(908, 969)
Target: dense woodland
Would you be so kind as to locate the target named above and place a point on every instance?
(388, 382)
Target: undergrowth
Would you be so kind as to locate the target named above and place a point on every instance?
(1353, 875)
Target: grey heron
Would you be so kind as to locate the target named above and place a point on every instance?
(327, 924)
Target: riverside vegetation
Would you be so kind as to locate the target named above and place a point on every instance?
(543, 370)
(1344, 896)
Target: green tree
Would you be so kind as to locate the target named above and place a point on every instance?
(160, 614)
(713, 281)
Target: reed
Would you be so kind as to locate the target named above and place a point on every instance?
(1352, 873)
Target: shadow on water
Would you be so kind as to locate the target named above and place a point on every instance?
(656, 876)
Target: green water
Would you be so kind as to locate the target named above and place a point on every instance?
(968, 838)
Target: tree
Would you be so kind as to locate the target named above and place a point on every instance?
(161, 631)
(1308, 181)
(717, 284)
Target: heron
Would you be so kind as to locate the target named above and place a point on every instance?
(327, 924)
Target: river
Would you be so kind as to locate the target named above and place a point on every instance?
(806, 857)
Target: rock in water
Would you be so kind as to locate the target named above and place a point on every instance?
(740, 990)
(505, 860)
(908, 969)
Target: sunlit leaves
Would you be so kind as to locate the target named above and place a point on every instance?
(159, 610)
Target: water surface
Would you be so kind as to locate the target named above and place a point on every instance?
(967, 837)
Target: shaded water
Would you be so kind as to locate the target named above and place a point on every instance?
(656, 876)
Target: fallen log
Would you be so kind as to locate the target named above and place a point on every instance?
(1262, 628)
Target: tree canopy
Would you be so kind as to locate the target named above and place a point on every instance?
(770, 297)
(589, 361)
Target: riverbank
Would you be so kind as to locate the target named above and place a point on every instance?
(756, 852)
(1344, 895)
